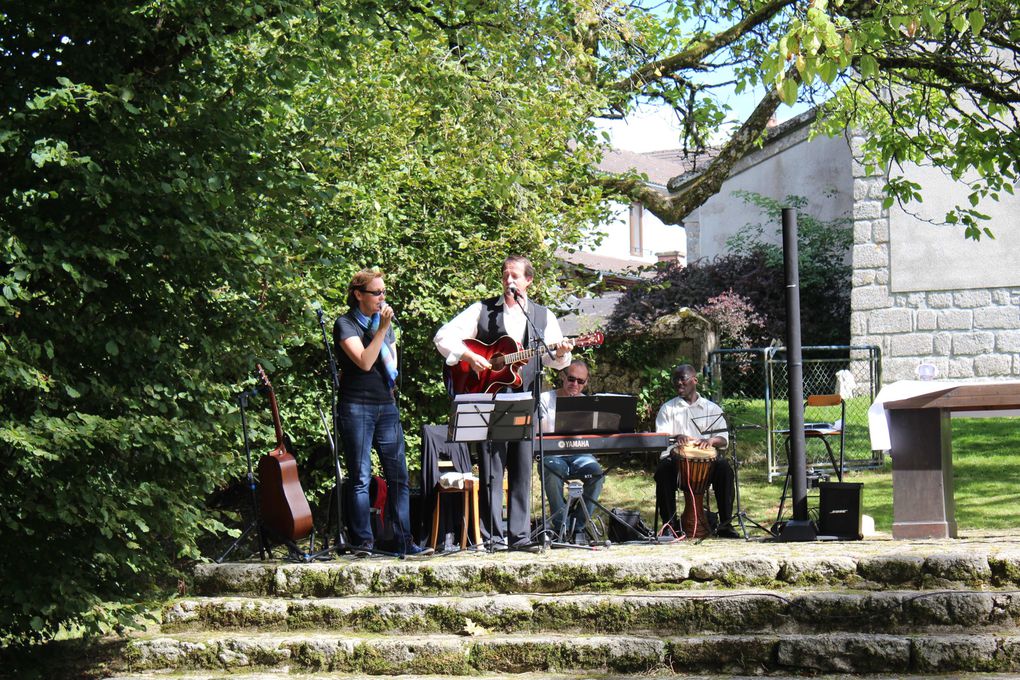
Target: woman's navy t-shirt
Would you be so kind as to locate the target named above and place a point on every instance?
(356, 385)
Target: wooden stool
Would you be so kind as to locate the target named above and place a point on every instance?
(470, 495)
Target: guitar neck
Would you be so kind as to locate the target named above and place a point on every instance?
(523, 355)
(276, 420)
(276, 409)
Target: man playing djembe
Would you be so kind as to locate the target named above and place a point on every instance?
(697, 423)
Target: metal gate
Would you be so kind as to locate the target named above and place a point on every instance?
(752, 386)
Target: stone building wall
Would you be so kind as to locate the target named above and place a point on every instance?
(968, 332)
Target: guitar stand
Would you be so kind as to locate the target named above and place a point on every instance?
(294, 551)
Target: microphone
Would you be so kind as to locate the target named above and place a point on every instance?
(512, 289)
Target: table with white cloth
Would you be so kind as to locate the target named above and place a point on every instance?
(910, 419)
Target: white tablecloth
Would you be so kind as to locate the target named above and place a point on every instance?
(878, 416)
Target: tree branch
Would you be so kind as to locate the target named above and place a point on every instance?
(696, 53)
(950, 70)
(672, 209)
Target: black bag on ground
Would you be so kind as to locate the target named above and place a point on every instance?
(627, 525)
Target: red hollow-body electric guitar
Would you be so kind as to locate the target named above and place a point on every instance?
(284, 508)
(507, 358)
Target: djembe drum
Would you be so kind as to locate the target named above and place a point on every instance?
(694, 472)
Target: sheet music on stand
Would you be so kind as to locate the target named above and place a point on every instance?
(710, 425)
(503, 417)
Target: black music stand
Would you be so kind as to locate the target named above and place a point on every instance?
(740, 517)
(595, 414)
(503, 417)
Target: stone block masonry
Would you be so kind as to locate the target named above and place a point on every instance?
(973, 333)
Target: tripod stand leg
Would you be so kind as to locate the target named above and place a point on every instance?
(588, 525)
(782, 498)
(233, 546)
(741, 517)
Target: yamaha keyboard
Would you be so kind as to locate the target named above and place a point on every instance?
(554, 444)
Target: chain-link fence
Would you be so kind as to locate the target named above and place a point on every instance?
(752, 386)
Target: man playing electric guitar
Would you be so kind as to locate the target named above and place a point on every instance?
(488, 321)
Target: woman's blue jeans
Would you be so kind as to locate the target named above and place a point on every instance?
(362, 426)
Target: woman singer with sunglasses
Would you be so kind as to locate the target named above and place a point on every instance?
(367, 351)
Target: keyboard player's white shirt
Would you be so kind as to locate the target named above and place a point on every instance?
(548, 411)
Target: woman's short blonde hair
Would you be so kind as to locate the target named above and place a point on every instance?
(360, 280)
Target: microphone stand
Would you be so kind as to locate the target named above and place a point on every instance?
(538, 342)
(739, 516)
(339, 546)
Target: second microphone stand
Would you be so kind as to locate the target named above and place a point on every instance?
(339, 546)
(545, 533)
(740, 516)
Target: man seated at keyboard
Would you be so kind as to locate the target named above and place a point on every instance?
(582, 466)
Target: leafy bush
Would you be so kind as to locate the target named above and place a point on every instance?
(735, 318)
(754, 271)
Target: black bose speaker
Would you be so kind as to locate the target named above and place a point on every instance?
(839, 510)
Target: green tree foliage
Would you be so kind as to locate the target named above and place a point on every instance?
(182, 182)
(824, 267)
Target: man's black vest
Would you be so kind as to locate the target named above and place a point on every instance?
(491, 328)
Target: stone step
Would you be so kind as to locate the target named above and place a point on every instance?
(545, 675)
(512, 654)
(713, 564)
(275, 675)
(673, 612)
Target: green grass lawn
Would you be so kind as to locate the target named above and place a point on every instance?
(986, 467)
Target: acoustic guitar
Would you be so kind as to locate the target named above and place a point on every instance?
(284, 508)
(507, 358)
